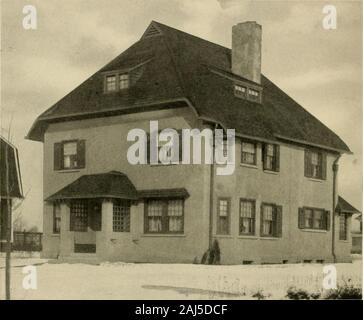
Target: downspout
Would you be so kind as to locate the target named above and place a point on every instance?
(335, 176)
(211, 194)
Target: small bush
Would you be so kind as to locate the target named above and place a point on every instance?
(212, 255)
(300, 294)
(259, 295)
(346, 291)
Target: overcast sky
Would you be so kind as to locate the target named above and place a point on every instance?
(321, 69)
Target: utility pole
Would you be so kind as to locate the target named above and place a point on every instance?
(8, 228)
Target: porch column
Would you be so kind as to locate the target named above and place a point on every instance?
(107, 213)
(66, 237)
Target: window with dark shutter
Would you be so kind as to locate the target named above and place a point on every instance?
(70, 155)
(271, 220)
(315, 164)
(313, 218)
(271, 157)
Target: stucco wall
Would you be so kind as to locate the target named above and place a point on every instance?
(106, 148)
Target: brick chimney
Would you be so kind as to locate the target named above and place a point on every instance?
(246, 50)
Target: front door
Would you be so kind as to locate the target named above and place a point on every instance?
(86, 221)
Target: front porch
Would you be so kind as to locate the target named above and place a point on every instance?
(88, 210)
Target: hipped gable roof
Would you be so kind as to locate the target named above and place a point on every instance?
(176, 68)
(114, 185)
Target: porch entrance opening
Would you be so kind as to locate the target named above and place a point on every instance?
(85, 221)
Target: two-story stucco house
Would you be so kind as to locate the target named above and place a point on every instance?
(277, 207)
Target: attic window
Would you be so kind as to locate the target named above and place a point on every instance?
(253, 93)
(111, 83)
(117, 81)
(248, 92)
(240, 90)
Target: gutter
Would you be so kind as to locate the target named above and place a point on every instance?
(211, 196)
(335, 176)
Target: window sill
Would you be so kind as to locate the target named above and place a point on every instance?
(68, 170)
(314, 230)
(227, 236)
(271, 172)
(251, 237)
(269, 238)
(252, 166)
(55, 235)
(167, 235)
(344, 241)
(316, 180)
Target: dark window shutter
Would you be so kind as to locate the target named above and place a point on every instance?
(58, 151)
(264, 156)
(71, 219)
(301, 218)
(278, 232)
(323, 165)
(327, 220)
(81, 154)
(180, 146)
(261, 221)
(307, 163)
(277, 158)
(148, 149)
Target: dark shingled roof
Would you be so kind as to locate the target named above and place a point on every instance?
(345, 207)
(10, 178)
(105, 185)
(178, 67)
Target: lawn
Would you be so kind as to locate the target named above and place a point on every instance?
(170, 281)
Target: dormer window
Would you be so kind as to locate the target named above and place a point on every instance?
(253, 93)
(124, 81)
(240, 90)
(248, 91)
(111, 83)
(117, 81)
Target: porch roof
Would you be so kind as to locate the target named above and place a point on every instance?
(113, 184)
(345, 207)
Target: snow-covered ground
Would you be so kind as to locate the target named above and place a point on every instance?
(169, 281)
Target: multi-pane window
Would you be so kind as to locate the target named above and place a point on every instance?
(240, 90)
(268, 221)
(313, 218)
(69, 155)
(111, 83)
(247, 217)
(121, 216)
(79, 216)
(56, 218)
(164, 216)
(175, 215)
(343, 226)
(116, 82)
(315, 164)
(223, 216)
(252, 92)
(248, 155)
(124, 81)
(271, 220)
(271, 157)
